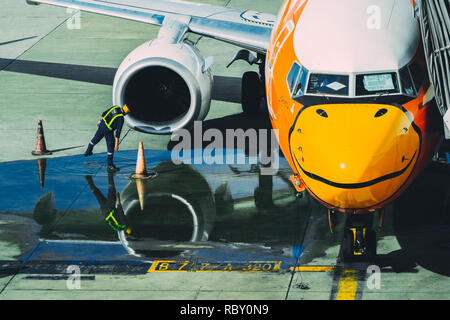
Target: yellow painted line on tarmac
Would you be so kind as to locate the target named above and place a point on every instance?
(313, 268)
(191, 266)
(347, 286)
(250, 266)
(169, 266)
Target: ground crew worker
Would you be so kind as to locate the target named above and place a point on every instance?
(112, 119)
(110, 207)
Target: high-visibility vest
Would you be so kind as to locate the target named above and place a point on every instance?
(112, 114)
(116, 226)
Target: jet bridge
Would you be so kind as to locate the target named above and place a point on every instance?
(435, 25)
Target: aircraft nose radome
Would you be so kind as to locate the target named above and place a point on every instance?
(354, 154)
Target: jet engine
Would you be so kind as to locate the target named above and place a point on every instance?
(167, 86)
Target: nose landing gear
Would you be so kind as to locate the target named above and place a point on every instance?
(359, 243)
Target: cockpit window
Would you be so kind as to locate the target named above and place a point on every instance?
(407, 84)
(371, 84)
(417, 75)
(296, 80)
(292, 76)
(328, 84)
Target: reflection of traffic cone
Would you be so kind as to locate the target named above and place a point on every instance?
(41, 165)
(40, 142)
(141, 192)
(141, 174)
(141, 168)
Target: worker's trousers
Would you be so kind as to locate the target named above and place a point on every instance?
(103, 131)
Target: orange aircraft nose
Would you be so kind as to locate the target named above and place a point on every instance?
(354, 156)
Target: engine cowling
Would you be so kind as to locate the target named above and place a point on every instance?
(166, 87)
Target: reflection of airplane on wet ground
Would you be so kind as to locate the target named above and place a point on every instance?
(226, 216)
(350, 96)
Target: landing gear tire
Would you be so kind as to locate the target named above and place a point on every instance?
(359, 245)
(251, 93)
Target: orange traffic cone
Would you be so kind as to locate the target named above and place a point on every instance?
(41, 149)
(140, 185)
(41, 165)
(141, 174)
(141, 168)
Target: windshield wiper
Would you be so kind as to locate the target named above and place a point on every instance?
(381, 94)
(324, 95)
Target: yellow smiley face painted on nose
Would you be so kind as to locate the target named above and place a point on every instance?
(354, 155)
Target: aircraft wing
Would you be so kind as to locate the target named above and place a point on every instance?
(244, 28)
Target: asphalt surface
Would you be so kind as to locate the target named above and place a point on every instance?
(207, 231)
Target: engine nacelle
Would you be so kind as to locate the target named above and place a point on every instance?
(166, 86)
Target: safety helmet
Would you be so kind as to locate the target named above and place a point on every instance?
(125, 109)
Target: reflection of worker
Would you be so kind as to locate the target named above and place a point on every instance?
(110, 207)
(112, 119)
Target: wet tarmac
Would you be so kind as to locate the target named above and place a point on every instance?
(200, 213)
(200, 218)
(205, 231)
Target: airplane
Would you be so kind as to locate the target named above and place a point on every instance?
(346, 85)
